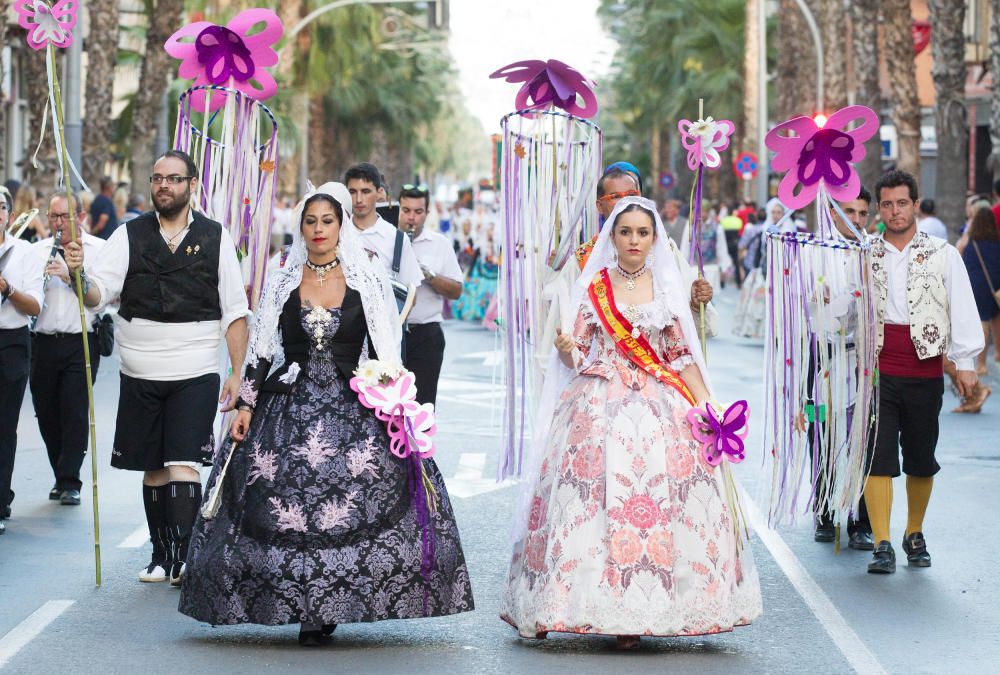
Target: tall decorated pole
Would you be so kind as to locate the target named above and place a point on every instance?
(703, 139)
(821, 332)
(551, 154)
(48, 27)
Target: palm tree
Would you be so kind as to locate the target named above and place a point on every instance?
(36, 92)
(948, 45)
(832, 18)
(796, 58)
(102, 54)
(165, 18)
(751, 75)
(898, 22)
(994, 159)
(3, 108)
(864, 41)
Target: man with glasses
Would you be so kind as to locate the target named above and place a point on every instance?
(181, 291)
(20, 299)
(926, 313)
(442, 280)
(58, 371)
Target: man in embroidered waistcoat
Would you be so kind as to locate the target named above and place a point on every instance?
(181, 291)
(926, 313)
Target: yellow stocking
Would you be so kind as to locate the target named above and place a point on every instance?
(878, 498)
(918, 494)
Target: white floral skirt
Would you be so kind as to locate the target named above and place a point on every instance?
(630, 531)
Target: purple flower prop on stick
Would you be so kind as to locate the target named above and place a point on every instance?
(550, 83)
(230, 55)
(720, 436)
(47, 24)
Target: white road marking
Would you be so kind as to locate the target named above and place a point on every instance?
(848, 642)
(469, 481)
(136, 539)
(30, 628)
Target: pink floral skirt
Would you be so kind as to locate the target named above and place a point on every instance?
(630, 531)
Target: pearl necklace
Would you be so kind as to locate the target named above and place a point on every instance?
(630, 277)
(321, 270)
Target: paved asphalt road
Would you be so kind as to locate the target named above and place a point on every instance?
(823, 613)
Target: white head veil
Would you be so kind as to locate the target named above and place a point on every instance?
(365, 276)
(667, 283)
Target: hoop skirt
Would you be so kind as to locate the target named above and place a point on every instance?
(629, 530)
(316, 523)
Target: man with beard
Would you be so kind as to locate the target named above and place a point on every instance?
(181, 290)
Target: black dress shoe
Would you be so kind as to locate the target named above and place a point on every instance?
(860, 540)
(915, 547)
(884, 559)
(328, 628)
(70, 498)
(825, 531)
(310, 638)
(55, 493)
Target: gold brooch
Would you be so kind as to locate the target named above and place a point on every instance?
(188, 250)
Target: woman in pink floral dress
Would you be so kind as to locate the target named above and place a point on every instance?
(624, 529)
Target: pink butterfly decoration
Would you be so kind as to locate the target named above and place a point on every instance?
(814, 155)
(47, 24)
(548, 83)
(704, 140)
(410, 425)
(720, 437)
(228, 55)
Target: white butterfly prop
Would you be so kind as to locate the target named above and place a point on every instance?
(47, 24)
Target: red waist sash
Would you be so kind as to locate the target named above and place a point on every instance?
(637, 349)
(899, 356)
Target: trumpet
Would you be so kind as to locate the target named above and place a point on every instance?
(56, 245)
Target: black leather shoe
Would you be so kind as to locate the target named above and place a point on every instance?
(860, 540)
(883, 560)
(70, 498)
(825, 531)
(311, 638)
(915, 547)
(55, 493)
(328, 628)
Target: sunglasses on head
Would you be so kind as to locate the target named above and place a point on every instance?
(410, 187)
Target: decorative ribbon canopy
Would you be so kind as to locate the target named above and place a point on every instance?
(550, 83)
(549, 170)
(230, 56)
(821, 324)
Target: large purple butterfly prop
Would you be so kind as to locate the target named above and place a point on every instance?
(720, 437)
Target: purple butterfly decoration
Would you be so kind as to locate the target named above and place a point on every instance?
(720, 437)
(548, 83)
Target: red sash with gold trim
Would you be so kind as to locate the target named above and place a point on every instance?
(637, 349)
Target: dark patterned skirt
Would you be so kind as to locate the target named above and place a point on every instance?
(317, 522)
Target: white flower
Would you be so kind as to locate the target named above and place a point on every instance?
(292, 374)
(704, 128)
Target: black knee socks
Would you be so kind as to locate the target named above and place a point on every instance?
(184, 499)
(154, 499)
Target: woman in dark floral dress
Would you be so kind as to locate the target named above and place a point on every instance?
(316, 524)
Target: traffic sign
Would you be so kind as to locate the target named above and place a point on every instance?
(746, 165)
(667, 180)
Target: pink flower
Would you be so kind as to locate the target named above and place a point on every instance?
(682, 464)
(47, 24)
(626, 547)
(580, 428)
(588, 463)
(537, 517)
(660, 546)
(229, 56)
(534, 552)
(641, 511)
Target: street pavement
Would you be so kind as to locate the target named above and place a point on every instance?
(822, 612)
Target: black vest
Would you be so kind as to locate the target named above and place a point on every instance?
(172, 287)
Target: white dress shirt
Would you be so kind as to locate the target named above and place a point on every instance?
(933, 226)
(435, 252)
(61, 309)
(966, 331)
(20, 272)
(380, 239)
(151, 350)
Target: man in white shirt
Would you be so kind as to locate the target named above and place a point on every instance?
(58, 370)
(378, 236)
(20, 299)
(424, 350)
(928, 223)
(926, 313)
(181, 291)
